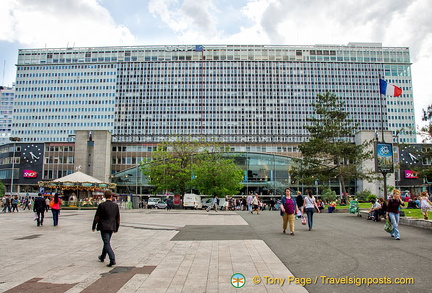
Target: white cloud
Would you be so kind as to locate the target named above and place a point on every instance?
(56, 23)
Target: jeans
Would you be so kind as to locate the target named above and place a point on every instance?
(55, 214)
(394, 218)
(309, 213)
(106, 238)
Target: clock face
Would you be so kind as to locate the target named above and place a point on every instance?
(410, 155)
(32, 153)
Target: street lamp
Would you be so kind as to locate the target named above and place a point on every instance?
(14, 139)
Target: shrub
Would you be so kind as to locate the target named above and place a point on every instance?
(328, 195)
(363, 195)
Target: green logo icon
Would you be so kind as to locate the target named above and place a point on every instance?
(238, 280)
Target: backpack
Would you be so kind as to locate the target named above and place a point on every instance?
(15, 201)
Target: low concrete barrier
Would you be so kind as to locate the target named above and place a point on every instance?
(407, 221)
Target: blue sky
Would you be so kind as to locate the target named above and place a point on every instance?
(82, 23)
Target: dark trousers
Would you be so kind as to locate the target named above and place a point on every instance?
(40, 217)
(55, 214)
(106, 238)
(309, 213)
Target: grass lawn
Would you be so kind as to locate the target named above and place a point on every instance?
(414, 213)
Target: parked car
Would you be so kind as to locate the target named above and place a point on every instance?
(151, 204)
(161, 205)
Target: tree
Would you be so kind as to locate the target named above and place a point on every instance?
(426, 155)
(2, 189)
(218, 175)
(170, 167)
(329, 153)
(183, 164)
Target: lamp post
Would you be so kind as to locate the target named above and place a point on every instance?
(14, 139)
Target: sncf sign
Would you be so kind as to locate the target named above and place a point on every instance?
(29, 174)
(411, 174)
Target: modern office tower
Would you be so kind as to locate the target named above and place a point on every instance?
(238, 94)
(6, 108)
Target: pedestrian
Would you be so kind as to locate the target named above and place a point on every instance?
(289, 209)
(249, 202)
(169, 203)
(309, 207)
(47, 201)
(393, 212)
(39, 208)
(6, 204)
(215, 204)
(14, 203)
(255, 204)
(299, 200)
(26, 204)
(107, 221)
(55, 205)
(425, 204)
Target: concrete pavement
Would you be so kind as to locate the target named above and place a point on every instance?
(156, 251)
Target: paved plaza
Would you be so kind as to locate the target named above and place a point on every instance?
(196, 251)
(149, 258)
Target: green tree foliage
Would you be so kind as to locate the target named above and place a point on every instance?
(182, 164)
(426, 155)
(329, 153)
(2, 189)
(217, 175)
(170, 168)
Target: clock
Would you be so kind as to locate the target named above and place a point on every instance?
(32, 153)
(410, 155)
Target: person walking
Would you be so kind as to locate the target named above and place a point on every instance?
(15, 203)
(425, 204)
(6, 204)
(39, 208)
(393, 206)
(299, 200)
(309, 207)
(255, 204)
(249, 202)
(289, 209)
(214, 204)
(107, 221)
(55, 205)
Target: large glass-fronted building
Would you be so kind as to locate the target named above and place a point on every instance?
(237, 94)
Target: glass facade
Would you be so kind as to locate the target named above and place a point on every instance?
(263, 173)
(228, 93)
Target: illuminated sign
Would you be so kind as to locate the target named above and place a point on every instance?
(411, 174)
(30, 174)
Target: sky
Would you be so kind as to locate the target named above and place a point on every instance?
(83, 23)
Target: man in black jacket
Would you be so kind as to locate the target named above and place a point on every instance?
(39, 207)
(107, 220)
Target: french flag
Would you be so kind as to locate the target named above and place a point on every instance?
(389, 89)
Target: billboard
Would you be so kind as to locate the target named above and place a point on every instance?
(384, 157)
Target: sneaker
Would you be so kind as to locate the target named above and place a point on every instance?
(397, 238)
(100, 258)
(111, 264)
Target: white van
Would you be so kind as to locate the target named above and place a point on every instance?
(192, 201)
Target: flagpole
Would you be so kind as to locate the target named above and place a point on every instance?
(383, 172)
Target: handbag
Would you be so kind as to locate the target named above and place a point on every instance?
(388, 226)
(303, 220)
(51, 204)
